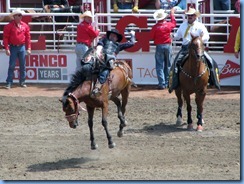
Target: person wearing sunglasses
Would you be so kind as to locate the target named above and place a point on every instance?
(191, 27)
(16, 38)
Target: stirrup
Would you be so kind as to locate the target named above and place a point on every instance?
(96, 92)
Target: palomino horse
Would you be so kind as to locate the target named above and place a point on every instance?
(193, 77)
(119, 83)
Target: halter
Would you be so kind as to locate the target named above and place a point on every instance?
(74, 116)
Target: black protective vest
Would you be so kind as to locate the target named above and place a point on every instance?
(110, 47)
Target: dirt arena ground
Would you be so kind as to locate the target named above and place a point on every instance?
(37, 143)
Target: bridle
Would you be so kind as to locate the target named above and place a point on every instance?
(75, 115)
(200, 58)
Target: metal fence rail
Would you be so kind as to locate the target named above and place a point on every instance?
(61, 36)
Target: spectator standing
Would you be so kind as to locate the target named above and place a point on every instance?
(160, 33)
(237, 43)
(85, 35)
(191, 26)
(181, 5)
(221, 4)
(165, 4)
(125, 4)
(238, 34)
(16, 38)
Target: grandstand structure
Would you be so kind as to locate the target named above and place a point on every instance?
(53, 42)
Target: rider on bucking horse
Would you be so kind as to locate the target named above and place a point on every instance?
(107, 49)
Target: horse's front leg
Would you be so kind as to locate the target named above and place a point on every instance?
(90, 111)
(105, 125)
(199, 101)
(120, 116)
(189, 109)
(179, 120)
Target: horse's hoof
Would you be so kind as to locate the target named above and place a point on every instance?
(93, 147)
(120, 133)
(111, 145)
(199, 128)
(190, 127)
(179, 121)
(203, 121)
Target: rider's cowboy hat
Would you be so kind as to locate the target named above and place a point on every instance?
(86, 14)
(115, 31)
(159, 14)
(192, 11)
(16, 12)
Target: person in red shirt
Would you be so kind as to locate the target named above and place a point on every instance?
(160, 34)
(85, 35)
(16, 38)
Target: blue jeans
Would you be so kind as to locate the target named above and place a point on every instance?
(80, 50)
(221, 4)
(162, 57)
(125, 5)
(103, 75)
(16, 52)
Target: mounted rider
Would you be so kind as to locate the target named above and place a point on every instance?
(191, 26)
(107, 49)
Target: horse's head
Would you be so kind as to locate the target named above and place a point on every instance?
(71, 109)
(197, 47)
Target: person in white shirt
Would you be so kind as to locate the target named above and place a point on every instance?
(191, 26)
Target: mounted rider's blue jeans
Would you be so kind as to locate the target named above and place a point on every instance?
(16, 52)
(162, 57)
(103, 75)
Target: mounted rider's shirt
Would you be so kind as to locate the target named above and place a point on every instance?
(111, 48)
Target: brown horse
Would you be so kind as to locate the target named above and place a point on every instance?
(193, 77)
(119, 83)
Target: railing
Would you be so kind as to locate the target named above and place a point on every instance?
(61, 36)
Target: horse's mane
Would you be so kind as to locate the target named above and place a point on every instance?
(76, 80)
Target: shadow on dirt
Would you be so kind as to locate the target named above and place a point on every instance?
(59, 165)
(160, 128)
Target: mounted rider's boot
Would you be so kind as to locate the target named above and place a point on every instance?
(173, 78)
(214, 71)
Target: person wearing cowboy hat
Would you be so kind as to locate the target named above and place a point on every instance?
(107, 49)
(85, 36)
(16, 39)
(160, 34)
(196, 28)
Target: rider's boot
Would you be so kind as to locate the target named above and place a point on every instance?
(173, 79)
(214, 78)
(214, 72)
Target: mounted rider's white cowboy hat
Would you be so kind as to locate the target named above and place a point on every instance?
(16, 12)
(86, 14)
(160, 14)
(192, 11)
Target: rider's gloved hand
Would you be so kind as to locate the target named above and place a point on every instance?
(99, 51)
(111, 64)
